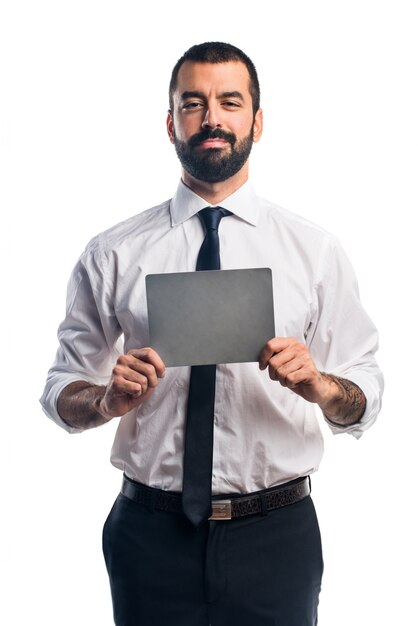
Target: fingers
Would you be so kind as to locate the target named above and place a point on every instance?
(288, 362)
(134, 378)
(137, 371)
(274, 347)
(150, 356)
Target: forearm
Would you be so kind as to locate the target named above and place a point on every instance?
(346, 402)
(79, 405)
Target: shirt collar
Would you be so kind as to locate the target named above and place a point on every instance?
(243, 203)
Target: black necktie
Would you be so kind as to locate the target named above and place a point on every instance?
(198, 444)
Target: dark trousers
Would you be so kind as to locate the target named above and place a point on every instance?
(252, 571)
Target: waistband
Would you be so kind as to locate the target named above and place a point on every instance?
(224, 507)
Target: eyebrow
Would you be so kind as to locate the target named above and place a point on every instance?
(199, 94)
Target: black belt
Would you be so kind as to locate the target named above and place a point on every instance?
(223, 508)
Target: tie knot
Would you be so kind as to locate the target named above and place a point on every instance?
(211, 216)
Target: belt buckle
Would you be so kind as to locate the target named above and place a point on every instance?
(221, 510)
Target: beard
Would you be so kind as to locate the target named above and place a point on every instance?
(212, 165)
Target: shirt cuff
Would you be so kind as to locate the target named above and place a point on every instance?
(49, 400)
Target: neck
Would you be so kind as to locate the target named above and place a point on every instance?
(214, 193)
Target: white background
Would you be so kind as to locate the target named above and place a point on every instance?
(83, 146)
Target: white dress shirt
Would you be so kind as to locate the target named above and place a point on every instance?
(264, 434)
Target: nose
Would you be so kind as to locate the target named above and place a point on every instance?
(211, 119)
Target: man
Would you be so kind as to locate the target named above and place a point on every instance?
(167, 562)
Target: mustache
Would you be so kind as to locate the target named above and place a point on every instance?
(207, 133)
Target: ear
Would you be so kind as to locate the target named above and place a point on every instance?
(258, 125)
(170, 126)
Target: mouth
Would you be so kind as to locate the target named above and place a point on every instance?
(213, 143)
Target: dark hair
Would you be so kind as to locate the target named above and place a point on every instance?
(217, 52)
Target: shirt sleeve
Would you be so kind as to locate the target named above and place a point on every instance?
(89, 336)
(343, 340)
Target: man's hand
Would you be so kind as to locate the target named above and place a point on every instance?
(134, 378)
(289, 362)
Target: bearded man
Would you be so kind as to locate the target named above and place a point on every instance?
(215, 524)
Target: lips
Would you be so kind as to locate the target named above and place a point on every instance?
(213, 143)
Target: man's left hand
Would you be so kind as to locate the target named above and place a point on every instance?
(289, 362)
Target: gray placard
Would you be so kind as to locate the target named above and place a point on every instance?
(210, 317)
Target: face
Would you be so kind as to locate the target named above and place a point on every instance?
(212, 124)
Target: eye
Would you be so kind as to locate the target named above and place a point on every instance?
(231, 104)
(192, 105)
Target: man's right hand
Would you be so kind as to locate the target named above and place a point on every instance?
(134, 378)
(83, 405)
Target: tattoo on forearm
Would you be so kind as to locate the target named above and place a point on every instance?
(351, 404)
(77, 405)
